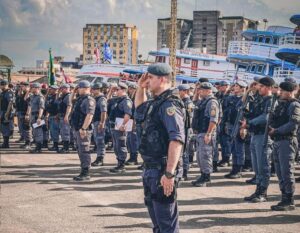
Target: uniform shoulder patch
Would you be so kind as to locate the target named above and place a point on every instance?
(171, 111)
(129, 104)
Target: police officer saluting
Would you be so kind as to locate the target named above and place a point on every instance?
(35, 112)
(161, 145)
(6, 105)
(64, 110)
(205, 119)
(81, 118)
(284, 124)
(99, 120)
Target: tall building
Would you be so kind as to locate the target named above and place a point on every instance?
(184, 33)
(122, 38)
(205, 30)
(231, 29)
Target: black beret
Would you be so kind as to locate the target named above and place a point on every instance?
(267, 81)
(288, 86)
(97, 86)
(160, 69)
(203, 80)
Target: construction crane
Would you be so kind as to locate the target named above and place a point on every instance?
(173, 39)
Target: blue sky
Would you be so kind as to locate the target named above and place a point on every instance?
(29, 27)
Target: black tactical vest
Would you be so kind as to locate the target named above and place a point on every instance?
(4, 101)
(62, 107)
(115, 110)
(280, 117)
(51, 105)
(259, 109)
(98, 109)
(200, 122)
(155, 139)
(21, 104)
(78, 117)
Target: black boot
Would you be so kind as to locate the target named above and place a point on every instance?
(5, 144)
(202, 180)
(297, 179)
(84, 175)
(215, 166)
(286, 204)
(184, 175)
(37, 149)
(97, 162)
(262, 195)
(247, 166)
(45, 144)
(224, 162)
(132, 160)
(254, 195)
(54, 147)
(252, 180)
(26, 146)
(235, 173)
(65, 148)
(118, 169)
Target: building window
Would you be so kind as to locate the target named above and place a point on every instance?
(89, 52)
(268, 40)
(95, 37)
(206, 63)
(187, 61)
(204, 28)
(253, 68)
(114, 44)
(89, 38)
(260, 68)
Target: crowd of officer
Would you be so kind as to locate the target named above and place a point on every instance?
(252, 127)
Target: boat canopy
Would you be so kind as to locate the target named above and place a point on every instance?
(295, 19)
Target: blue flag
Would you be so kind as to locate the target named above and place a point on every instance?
(107, 55)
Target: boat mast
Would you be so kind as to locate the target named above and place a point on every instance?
(173, 34)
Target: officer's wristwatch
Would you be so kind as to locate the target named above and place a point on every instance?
(169, 175)
(83, 129)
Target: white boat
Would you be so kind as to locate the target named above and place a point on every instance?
(191, 65)
(274, 52)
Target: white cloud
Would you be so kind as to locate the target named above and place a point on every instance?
(74, 46)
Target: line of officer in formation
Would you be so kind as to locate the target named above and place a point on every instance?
(267, 129)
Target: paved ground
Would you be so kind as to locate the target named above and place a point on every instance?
(38, 195)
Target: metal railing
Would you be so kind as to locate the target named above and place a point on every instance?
(290, 39)
(252, 48)
(280, 73)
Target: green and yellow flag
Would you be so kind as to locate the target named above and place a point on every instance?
(51, 75)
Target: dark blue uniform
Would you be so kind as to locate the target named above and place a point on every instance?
(164, 122)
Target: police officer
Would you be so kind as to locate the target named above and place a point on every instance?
(81, 118)
(21, 108)
(6, 107)
(132, 141)
(122, 109)
(99, 120)
(205, 120)
(35, 112)
(284, 124)
(260, 144)
(161, 145)
(64, 110)
(224, 138)
(52, 119)
(189, 106)
(238, 146)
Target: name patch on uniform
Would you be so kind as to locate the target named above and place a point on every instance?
(171, 111)
(190, 107)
